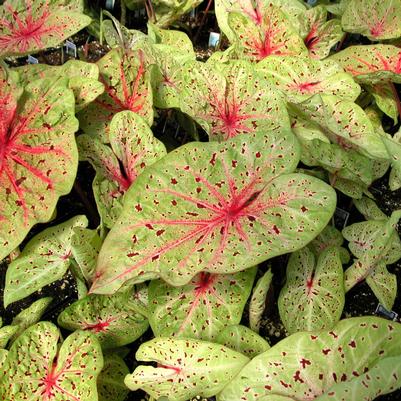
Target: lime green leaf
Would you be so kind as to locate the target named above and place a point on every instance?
(186, 368)
(44, 259)
(242, 339)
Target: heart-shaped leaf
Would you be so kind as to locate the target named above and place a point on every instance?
(114, 320)
(299, 78)
(313, 296)
(133, 147)
(360, 357)
(38, 155)
(200, 309)
(375, 19)
(393, 146)
(371, 64)
(127, 87)
(254, 10)
(110, 382)
(27, 26)
(83, 78)
(186, 368)
(273, 34)
(231, 100)
(218, 208)
(242, 339)
(44, 260)
(257, 303)
(49, 373)
(319, 35)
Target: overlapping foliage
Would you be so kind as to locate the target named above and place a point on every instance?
(289, 116)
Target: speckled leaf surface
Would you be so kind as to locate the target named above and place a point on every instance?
(254, 10)
(385, 98)
(36, 370)
(358, 353)
(30, 316)
(375, 19)
(273, 35)
(371, 63)
(177, 39)
(231, 100)
(383, 284)
(110, 382)
(127, 86)
(38, 155)
(218, 208)
(28, 26)
(166, 75)
(371, 242)
(368, 208)
(242, 339)
(319, 35)
(83, 78)
(299, 78)
(329, 237)
(257, 303)
(186, 368)
(132, 148)
(114, 320)
(313, 296)
(344, 123)
(44, 260)
(200, 309)
(85, 247)
(6, 333)
(340, 158)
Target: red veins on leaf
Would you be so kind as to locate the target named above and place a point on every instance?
(132, 97)
(14, 152)
(28, 28)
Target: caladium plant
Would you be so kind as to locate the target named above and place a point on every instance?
(319, 35)
(359, 357)
(375, 243)
(45, 259)
(132, 148)
(48, 372)
(83, 78)
(27, 26)
(114, 320)
(38, 154)
(375, 19)
(125, 77)
(200, 309)
(186, 368)
(254, 10)
(313, 296)
(230, 100)
(299, 78)
(242, 339)
(217, 208)
(270, 34)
